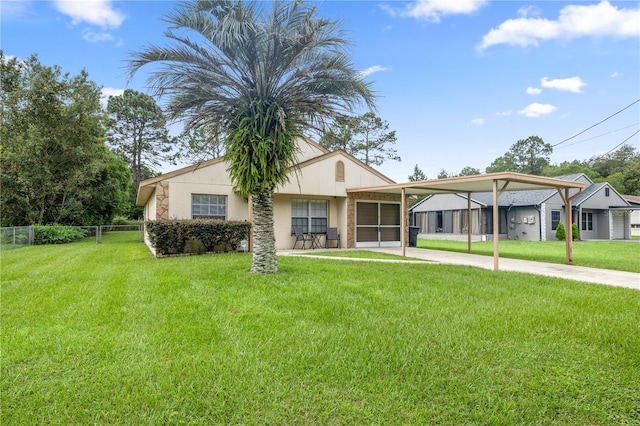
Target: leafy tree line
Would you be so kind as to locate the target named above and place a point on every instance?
(367, 137)
(54, 164)
(620, 168)
(65, 160)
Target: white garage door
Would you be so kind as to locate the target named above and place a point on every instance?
(617, 225)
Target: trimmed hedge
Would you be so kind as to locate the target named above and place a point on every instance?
(56, 234)
(196, 236)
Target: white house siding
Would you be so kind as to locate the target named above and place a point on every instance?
(318, 176)
(308, 150)
(210, 180)
(150, 208)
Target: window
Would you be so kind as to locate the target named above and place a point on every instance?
(339, 171)
(204, 206)
(606, 192)
(310, 215)
(555, 219)
(587, 221)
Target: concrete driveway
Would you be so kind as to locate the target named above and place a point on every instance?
(570, 272)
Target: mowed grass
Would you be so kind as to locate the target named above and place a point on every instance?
(356, 254)
(105, 334)
(616, 255)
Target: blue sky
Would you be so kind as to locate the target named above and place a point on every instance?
(460, 81)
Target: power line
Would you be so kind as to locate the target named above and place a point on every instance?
(621, 143)
(599, 136)
(598, 123)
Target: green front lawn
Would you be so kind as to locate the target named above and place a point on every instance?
(105, 334)
(617, 255)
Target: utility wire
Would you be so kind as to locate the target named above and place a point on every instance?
(599, 136)
(598, 123)
(621, 143)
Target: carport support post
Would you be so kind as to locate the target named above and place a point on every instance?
(568, 229)
(496, 224)
(469, 222)
(403, 220)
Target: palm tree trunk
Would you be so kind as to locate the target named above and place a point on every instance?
(265, 260)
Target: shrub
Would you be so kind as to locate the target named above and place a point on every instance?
(561, 233)
(123, 220)
(56, 234)
(575, 233)
(196, 236)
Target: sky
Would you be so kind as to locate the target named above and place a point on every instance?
(460, 81)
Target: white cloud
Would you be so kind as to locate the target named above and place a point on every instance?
(533, 90)
(373, 69)
(536, 110)
(572, 84)
(93, 37)
(528, 11)
(477, 121)
(574, 21)
(504, 113)
(107, 92)
(616, 74)
(17, 9)
(433, 10)
(94, 12)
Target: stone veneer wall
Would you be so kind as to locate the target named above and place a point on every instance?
(162, 201)
(370, 196)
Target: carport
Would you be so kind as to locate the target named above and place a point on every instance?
(492, 182)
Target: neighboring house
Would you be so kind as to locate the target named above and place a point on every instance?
(316, 197)
(634, 201)
(600, 212)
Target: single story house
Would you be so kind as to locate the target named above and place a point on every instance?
(634, 200)
(316, 197)
(599, 210)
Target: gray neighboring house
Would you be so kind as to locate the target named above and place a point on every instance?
(634, 200)
(600, 212)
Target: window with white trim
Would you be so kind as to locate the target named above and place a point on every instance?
(587, 221)
(310, 215)
(555, 219)
(206, 206)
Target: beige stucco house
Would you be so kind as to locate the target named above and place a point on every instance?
(317, 196)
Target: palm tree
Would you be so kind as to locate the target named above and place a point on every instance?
(265, 76)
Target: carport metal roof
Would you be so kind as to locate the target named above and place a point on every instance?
(492, 182)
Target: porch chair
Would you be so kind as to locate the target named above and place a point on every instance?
(332, 235)
(301, 236)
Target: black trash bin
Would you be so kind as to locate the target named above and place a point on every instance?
(413, 236)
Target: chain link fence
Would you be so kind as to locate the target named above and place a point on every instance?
(14, 237)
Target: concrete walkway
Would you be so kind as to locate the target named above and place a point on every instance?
(571, 272)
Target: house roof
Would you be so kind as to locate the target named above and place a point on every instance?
(632, 199)
(507, 181)
(146, 187)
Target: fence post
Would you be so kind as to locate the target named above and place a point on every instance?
(31, 235)
(98, 234)
(14, 237)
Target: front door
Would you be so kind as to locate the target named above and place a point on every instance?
(377, 224)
